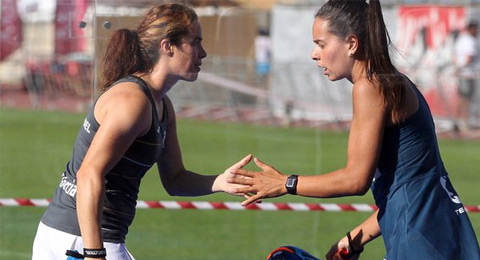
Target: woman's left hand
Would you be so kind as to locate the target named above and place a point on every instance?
(268, 183)
(339, 251)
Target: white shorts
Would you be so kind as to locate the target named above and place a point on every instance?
(52, 244)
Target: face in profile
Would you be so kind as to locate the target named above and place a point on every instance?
(330, 52)
(189, 53)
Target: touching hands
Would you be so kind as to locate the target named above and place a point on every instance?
(221, 183)
(267, 183)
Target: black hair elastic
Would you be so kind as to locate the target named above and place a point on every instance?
(352, 250)
(95, 253)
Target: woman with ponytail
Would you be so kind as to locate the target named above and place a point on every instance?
(131, 127)
(392, 148)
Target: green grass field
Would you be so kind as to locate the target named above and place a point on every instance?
(35, 146)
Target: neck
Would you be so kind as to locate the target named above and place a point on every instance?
(158, 83)
(359, 71)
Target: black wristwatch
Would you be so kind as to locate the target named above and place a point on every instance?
(291, 184)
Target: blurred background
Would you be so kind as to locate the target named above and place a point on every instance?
(258, 92)
(258, 67)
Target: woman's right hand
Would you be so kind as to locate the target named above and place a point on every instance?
(221, 183)
(268, 183)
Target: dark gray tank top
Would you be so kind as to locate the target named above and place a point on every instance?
(121, 183)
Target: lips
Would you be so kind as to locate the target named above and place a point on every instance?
(197, 68)
(325, 71)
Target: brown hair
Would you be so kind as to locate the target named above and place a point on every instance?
(365, 21)
(137, 51)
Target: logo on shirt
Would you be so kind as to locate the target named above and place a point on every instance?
(68, 187)
(164, 135)
(86, 125)
(453, 197)
(163, 138)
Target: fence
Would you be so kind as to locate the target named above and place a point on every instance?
(228, 88)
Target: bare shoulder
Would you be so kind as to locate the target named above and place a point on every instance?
(131, 89)
(125, 101)
(367, 92)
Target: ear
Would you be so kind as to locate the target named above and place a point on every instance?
(352, 43)
(166, 47)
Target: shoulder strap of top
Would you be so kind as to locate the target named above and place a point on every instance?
(420, 97)
(144, 87)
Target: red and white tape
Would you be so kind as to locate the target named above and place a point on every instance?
(208, 205)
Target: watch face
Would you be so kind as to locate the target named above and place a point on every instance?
(290, 182)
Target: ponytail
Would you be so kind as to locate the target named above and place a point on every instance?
(378, 60)
(122, 57)
(377, 40)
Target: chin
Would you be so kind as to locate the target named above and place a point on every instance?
(331, 78)
(334, 78)
(190, 77)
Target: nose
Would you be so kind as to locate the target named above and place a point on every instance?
(202, 54)
(314, 55)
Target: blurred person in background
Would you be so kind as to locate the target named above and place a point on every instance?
(131, 127)
(263, 55)
(466, 61)
(392, 148)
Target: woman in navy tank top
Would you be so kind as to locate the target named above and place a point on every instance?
(392, 148)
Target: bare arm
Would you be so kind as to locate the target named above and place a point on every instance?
(364, 146)
(179, 181)
(119, 126)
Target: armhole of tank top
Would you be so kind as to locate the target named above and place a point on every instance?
(420, 101)
(91, 112)
(418, 94)
(96, 100)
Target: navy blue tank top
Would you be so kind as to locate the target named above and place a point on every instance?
(420, 214)
(121, 183)
(409, 152)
